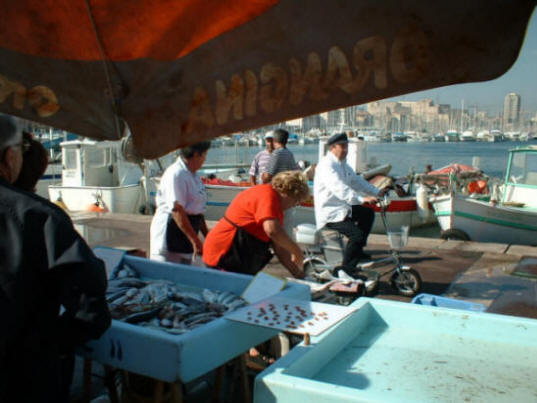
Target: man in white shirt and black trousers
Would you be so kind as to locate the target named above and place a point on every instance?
(340, 195)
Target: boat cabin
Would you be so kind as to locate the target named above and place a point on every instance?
(96, 163)
(521, 177)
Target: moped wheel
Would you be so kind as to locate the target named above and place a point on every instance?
(455, 235)
(406, 282)
(313, 267)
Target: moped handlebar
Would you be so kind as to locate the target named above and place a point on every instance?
(383, 202)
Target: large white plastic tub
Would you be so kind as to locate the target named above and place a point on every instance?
(391, 351)
(168, 357)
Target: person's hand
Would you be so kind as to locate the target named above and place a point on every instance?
(383, 192)
(299, 274)
(197, 246)
(370, 200)
(298, 259)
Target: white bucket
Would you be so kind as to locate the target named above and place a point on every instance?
(398, 239)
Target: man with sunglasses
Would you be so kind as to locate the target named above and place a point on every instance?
(44, 265)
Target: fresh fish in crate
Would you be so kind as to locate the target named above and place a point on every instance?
(144, 316)
(126, 282)
(112, 295)
(200, 318)
(209, 296)
(123, 271)
(164, 305)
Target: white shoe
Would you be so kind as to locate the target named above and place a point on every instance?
(325, 275)
(344, 276)
(370, 285)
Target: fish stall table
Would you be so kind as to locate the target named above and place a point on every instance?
(394, 351)
(169, 357)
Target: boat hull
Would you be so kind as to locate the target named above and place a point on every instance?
(400, 212)
(52, 176)
(483, 222)
(120, 199)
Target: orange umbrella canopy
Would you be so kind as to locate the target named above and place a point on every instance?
(177, 72)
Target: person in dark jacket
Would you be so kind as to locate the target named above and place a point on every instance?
(34, 163)
(52, 287)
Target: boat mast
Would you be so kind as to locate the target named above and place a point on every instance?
(462, 110)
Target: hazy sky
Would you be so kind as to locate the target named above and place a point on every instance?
(489, 95)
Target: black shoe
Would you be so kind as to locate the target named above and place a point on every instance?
(364, 256)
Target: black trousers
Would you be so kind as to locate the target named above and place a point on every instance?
(356, 228)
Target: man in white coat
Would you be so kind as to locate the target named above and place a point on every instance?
(341, 198)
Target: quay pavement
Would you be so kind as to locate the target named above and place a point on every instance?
(503, 277)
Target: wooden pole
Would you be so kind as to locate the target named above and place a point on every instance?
(306, 339)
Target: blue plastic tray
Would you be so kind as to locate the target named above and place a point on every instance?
(443, 302)
(390, 351)
(168, 357)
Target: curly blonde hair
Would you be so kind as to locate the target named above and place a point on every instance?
(293, 184)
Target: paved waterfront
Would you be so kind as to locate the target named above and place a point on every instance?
(478, 272)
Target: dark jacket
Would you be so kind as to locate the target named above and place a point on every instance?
(44, 265)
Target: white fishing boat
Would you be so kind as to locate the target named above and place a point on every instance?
(96, 177)
(512, 136)
(402, 211)
(398, 137)
(496, 136)
(509, 215)
(451, 136)
(468, 136)
(439, 138)
(52, 176)
(412, 137)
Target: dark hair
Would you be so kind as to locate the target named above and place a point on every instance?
(34, 164)
(199, 148)
(281, 136)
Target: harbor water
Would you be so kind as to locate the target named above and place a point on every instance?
(402, 156)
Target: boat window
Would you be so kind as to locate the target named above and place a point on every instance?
(70, 159)
(524, 169)
(96, 157)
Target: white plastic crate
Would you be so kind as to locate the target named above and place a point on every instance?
(168, 357)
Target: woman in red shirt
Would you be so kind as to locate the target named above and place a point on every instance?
(253, 223)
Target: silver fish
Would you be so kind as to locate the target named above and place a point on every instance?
(141, 316)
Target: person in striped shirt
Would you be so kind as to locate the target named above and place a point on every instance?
(259, 164)
(281, 158)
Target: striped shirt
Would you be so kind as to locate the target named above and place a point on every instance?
(281, 160)
(259, 164)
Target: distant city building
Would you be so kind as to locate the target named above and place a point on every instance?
(511, 112)
(350, 115)
(364, 119)
(336, 119)
(294, 125)
(311, 122)
(423, 116)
